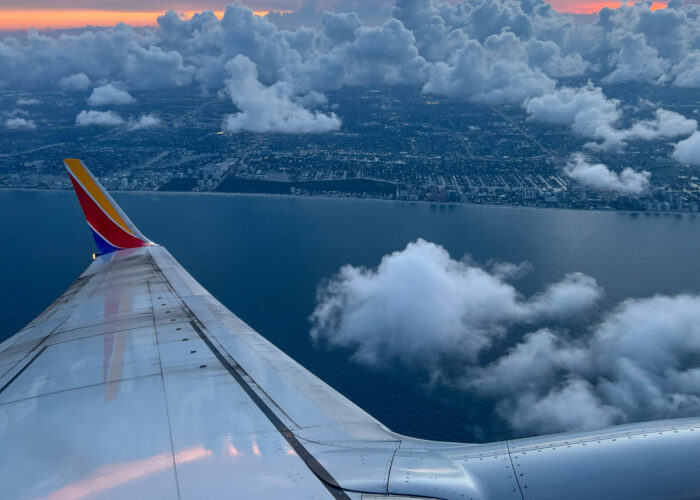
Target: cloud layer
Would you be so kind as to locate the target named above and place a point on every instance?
(422, 308)
(484, 51)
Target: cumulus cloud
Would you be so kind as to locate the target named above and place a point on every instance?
(78, 81)
(496, 72)
(108, 95)
(666, 124)
(429, 311)
(145, 121)
(101, 118)
(592, 115)
(637, 364)
(268, 109)
(20, 123)
(636, 61)
(419, 305)
(599, 176)
(27, 101)
(688, 150)
(687, 72)
(586, 110)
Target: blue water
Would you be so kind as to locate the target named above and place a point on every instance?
(264, 258)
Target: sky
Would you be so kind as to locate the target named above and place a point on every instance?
(45, 14)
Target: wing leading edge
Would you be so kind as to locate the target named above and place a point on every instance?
(137, 382)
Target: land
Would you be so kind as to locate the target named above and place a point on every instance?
(395, 143)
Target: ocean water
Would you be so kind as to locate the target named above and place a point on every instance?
(264, 257)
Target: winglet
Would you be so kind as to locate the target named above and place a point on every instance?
(110, 226)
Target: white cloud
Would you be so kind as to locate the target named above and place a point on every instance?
(592, 115)
(268, 109)
(496, 72)
(24, 101)
(573, 406)
(636, 61)
(586, 110)
(688, 150)
(103, 118)
(108, 95)
(427, 310)
(687, 72)
(599, 176)
(420, 304)
(20, 123)
(636, 365)
(665, 124)
(145, 121)
(78, 81)
(547, 56)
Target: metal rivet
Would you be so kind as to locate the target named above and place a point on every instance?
(185, 339)
(202, 366)
(192, 352)
(178, 329)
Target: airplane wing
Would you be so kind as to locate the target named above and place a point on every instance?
(137, 383)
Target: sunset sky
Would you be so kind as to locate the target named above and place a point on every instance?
(44, 14)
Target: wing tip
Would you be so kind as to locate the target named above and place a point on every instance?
(111, 227)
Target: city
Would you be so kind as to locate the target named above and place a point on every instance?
(395, 143)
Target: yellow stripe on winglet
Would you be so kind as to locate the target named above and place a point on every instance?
(77, 168)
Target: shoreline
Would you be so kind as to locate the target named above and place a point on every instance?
(339, 198)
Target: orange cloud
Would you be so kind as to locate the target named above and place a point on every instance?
(22, 19)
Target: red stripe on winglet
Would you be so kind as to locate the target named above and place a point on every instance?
(101, 223)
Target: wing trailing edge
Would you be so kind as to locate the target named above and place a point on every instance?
(110, 226)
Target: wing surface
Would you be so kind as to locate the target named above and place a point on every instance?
(138, 383)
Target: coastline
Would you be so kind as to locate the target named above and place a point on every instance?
(380, 200)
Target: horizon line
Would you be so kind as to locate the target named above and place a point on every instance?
(43, 19)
